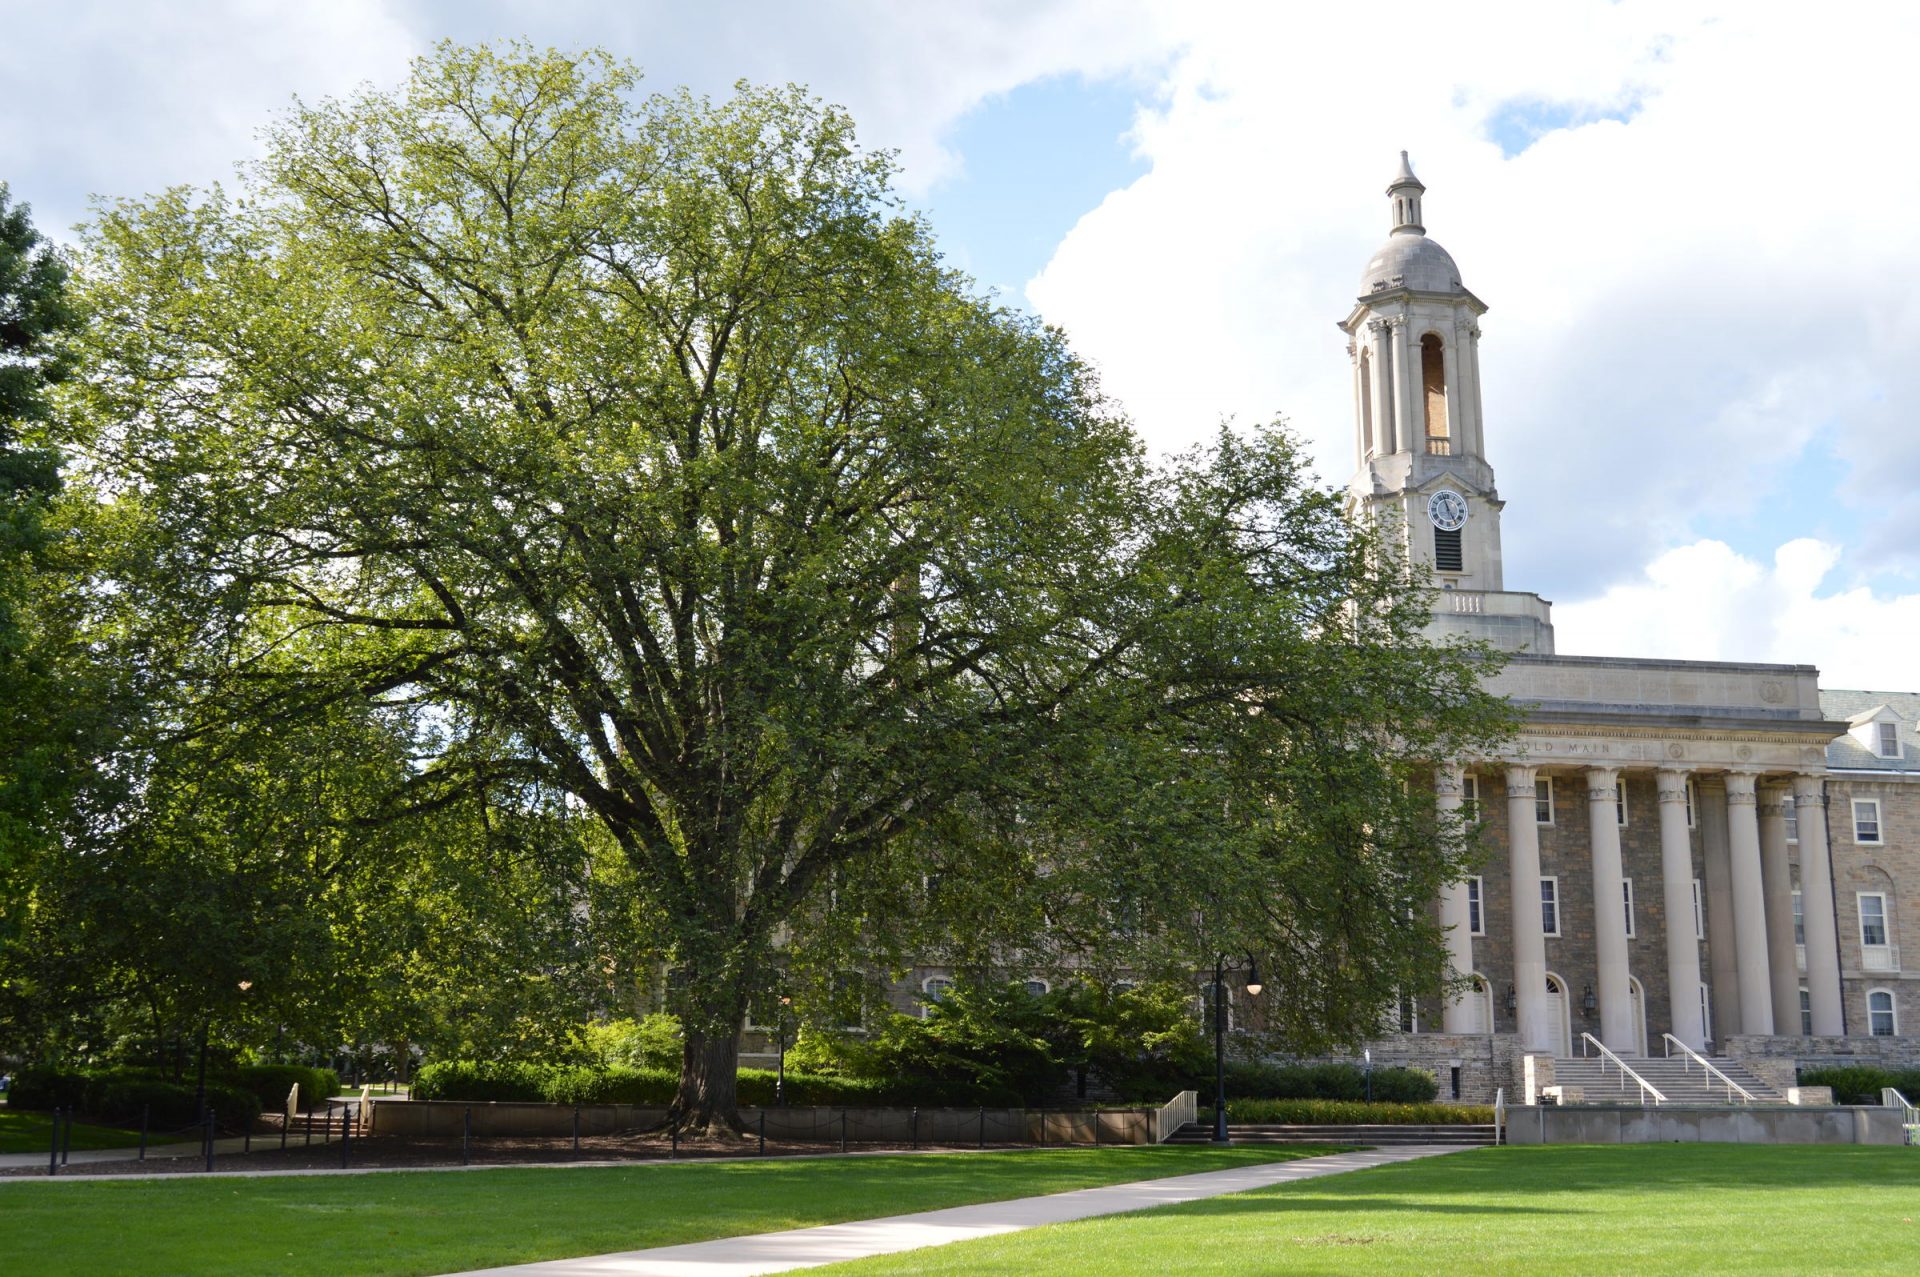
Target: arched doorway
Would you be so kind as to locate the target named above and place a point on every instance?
(1638, 995)
(1480, 1001)
(1557, 1021)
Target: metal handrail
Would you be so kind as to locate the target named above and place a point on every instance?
(1646, 1088)
(1499, 1114)
(1909, 1115)
(1706, 1064)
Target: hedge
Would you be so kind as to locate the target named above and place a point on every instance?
(1862, 1083)
(507, 1082)
(119, 1097)
(1348, 1113)
(271, 1082)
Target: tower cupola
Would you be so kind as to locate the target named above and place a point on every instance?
(1405, 194)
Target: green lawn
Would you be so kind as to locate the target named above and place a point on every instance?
(361, 1225)
(1688, 1209)
(26, 1132)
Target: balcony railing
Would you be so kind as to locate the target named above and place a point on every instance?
(1439, 446)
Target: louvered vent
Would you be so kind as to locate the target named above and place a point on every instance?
(1446, 551)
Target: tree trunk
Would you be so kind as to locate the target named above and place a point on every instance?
(708, 1102)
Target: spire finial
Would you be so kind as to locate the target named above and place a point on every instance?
(1405, 191)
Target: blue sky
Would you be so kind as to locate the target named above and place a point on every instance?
(1700, 348)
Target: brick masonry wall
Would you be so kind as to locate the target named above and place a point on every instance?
(1487, 1061)
(1883, 868)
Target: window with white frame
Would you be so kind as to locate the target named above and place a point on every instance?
(1035, 986)
(1873, 920)
(1806, 1014)
(1692, 804)
(1866, 820)
(933, 989)
(1620, 803)
(1550, 906)
(1888, 739)
(1470, 797)
(1543, 801)
(1799, 918)
(1880, 1021)
(1476, 911)
(1626, 898)
(1793, 819)
(1699, 914)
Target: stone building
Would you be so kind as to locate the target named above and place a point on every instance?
(1679, 853)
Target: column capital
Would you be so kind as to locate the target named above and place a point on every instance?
(1449, 779)
(1521, 775)
(1774, 798)
(1741, 788)
(1672, 784)
(1600, 784)
(1810, 790)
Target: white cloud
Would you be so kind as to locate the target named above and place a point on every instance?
(1681, 301)
(1706, 602)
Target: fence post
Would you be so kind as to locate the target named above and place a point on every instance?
(843, 1130)
(286, 1120)
(466, 1137)
(576, 1130)
(145, 1110)
(309, 1124)
(208, 1136)
(66, 1138)
(53, 1148)
(913, 1127)
(983, 1126)
(346, 1133)
(763, 1132)
(674, 1135)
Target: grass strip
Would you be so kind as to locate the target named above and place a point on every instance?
(389, 1225)
(1647, 1209)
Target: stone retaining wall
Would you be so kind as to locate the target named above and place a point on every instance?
(1891, 1053)
(1668, 1124)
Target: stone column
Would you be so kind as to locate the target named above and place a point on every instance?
(1456, 424)
(1610, 915)
(1776, 884)
(1749, 905)
(1361, 426)
(1676, 886)
(1816, 897)
(1716, 886)
(1529, 933)
(1383, 440)
(1459, 1015)
(1471, 349)
(1406, 391)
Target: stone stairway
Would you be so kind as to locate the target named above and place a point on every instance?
(1681, 1080)
(1371, 1135)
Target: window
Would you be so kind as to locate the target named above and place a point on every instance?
(1550, 906)
(1866, 820)
(1888, 740)
(1476, 916)
(1470, 797)
(1206, 1004)
(1035, 987)
(1880, 1021)
(1806, 1014)
(1692, 806)
(1543, 801)
(933, 989)
(1799, 918)
(1793, 820)
(1620, 804)
(1873, 919)
(1433, 384)
(1699, 915)
(1626, 896)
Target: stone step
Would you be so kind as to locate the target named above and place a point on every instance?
(1266, 1133)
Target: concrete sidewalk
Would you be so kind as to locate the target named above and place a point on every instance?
(808, 1247)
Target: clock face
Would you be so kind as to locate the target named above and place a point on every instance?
(1448, 510)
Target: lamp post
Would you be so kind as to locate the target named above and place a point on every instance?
(1220, 1038)
(780, 1078)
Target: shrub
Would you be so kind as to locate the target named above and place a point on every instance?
(619, 1085)
(117, 1096)
(1862, 1083)
(1404, 1086)
(271, 1082)
(653, 1042)
(1349, 1113)
(41, 1086)
(480, 1080)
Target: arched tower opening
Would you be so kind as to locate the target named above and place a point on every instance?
(1366, 404)
(1433, 385)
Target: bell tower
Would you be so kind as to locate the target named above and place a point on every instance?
(1420, 448)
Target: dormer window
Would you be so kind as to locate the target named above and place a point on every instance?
(1887, 740)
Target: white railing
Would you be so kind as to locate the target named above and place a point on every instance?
(1691, 1057)
(1647, 1089)
(1499, 1115)
(1909, 1115)
(1174, 1114)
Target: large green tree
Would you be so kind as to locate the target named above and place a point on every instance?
(644, 451)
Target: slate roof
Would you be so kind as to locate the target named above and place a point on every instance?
(1846, 753)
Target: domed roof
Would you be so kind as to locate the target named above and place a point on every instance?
(1411, 260)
